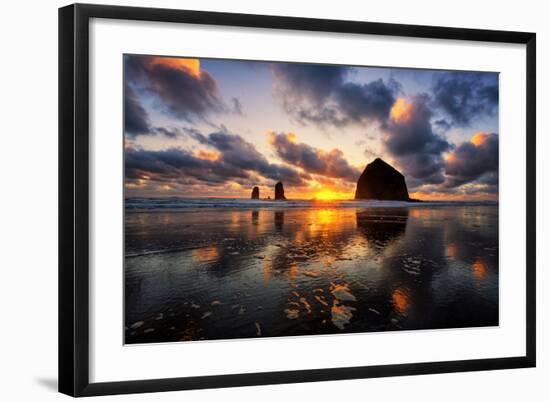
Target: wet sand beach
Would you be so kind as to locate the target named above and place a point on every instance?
(225, 273)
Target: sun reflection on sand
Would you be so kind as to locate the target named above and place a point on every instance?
(268, 271)
(206, 255)
(401, 301)
(452, 250)
(326, 216)
(479, 269)
(341, 314)
(292, 272)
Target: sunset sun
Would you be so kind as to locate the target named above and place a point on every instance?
(329, 195)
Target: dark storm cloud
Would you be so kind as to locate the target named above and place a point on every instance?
(176, 164)
(316, 161)
(465, 96)
(371, 101)
(180, 91)
(474, 161)
(409, 138)
(235, 160)
(318, 94)
(136, 121)
(314, 82)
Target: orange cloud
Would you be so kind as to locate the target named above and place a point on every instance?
(206, 155)
(479, 138)
(191, 65)
(449, 157)
(401, 110)
(272, 138)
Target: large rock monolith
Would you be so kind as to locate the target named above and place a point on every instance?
(279, 191)
(255, 193)
(381, 181)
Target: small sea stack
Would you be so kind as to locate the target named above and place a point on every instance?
(279, 191)
(255, 193)
(382, 182)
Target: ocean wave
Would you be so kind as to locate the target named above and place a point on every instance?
(224, 203)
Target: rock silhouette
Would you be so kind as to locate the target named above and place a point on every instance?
(381, 181)
(279, 191)
(255, 193)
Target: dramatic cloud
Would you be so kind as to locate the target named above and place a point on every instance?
(316, 161)
(319, 94)
(476, 160)
(235, 151)
(465, 96)
(232, 158)
(409, 138)
(179, 86)
(136, 121)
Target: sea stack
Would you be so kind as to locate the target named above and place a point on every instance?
(255, 193)
(382, 182)
(279, 191)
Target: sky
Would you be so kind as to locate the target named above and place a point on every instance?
(217, 128)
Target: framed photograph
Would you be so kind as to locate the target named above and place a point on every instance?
(277, 199)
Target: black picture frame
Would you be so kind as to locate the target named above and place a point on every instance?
(74, 201)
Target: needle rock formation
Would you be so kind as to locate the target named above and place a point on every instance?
(279, 191)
